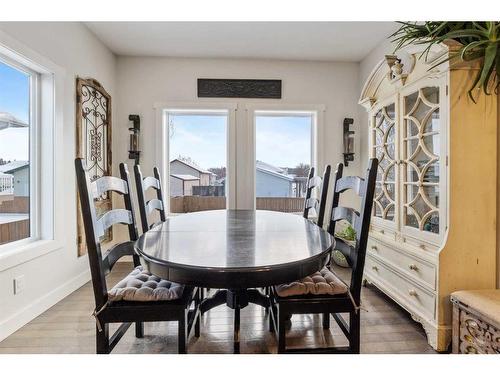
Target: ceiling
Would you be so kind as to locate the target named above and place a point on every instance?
(317, 41)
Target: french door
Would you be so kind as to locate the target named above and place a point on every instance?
(210, 155)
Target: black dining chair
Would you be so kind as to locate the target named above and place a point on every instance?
(312, 202)
(140, 297)
(324, 292)
(146, 208)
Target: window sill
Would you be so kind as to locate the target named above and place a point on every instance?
(12, 255)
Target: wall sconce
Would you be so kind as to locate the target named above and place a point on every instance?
(134, 152)
(348, 141)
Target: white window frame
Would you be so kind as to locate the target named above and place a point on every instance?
(47, 188)
(162, 146)
(317, 136)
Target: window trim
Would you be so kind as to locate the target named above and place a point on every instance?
(49, 127)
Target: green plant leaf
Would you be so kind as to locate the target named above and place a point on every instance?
(479, 40)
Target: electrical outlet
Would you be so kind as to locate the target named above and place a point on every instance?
(19, 284)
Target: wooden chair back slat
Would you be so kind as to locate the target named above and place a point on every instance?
(345, 213)
(315, 181)
(154, 204)
(95, 227)
(360, 221)
(318, 204)
(108, 183)
(354, 183)
(151, 182)
(112, 217)
(146, 208)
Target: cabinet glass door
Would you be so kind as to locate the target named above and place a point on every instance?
(384, 149)
(421, 157)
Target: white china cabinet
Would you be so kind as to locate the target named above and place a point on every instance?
(434, 217)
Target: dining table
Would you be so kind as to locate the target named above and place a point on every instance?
(236, 252)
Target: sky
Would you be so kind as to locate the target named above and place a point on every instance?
(14, 99)
(280, 141)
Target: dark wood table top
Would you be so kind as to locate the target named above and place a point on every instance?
(234, 249)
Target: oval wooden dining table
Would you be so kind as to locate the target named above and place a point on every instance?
(235, 251)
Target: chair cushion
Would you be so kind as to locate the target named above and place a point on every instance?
(141, 286)
(322, 282)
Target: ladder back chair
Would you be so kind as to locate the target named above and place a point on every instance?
(146, 208)
(324, 293)
(312, 202)
(140, 297)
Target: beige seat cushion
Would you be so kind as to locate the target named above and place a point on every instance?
(322, 282)
(141, 286)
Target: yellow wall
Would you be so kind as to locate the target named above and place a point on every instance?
(469, 257)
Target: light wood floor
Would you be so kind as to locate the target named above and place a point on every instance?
(68, 327)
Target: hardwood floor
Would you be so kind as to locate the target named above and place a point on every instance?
(68, 327)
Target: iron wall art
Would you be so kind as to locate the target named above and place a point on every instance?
(93, 143)
(239, 88)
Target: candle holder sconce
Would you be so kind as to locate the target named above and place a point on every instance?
(348, 141)
(134, 152)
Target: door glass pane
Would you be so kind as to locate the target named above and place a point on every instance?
(15, 125)
(283, 158)
(421, 147)
(197, 144)
(385, 151)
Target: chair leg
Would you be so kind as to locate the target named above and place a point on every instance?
(139, 330)
(326, 320)
(102, 339)
(354, 332)
(197, 324)
(183, 331)
(272, 315)
(282, 318)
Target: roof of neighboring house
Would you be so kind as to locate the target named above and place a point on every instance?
(10, 121)
(272, 170)
(269, 167)
(14, 166)
(194, 166)
(184, 177)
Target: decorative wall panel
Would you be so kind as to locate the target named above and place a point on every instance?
(239, 88)
(93, 143)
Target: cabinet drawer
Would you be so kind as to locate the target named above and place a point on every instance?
(401, 289)
(407, 264)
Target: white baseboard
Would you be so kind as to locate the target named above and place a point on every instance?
(19, 319)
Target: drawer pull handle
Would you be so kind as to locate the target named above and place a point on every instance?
(413, 267)
(374, 248)
(375, 268)
(413, 293)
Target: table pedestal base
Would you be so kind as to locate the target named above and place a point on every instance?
(235, 299)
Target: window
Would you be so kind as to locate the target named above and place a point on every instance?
(197, 160)
(283, 152)
(18, 121)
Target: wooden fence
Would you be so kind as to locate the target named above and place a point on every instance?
(13, 231)
(196, 203)
(280, 204)
(17, 205)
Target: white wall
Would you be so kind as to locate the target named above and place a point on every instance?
(144, 81)
(52, 276)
